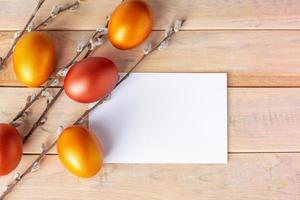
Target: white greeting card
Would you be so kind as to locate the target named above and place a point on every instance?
(165, 118)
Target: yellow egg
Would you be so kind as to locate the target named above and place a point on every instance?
(34, 58)
(130, 24)
(80, 151)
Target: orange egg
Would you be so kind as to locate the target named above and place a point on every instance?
(34, 58)
(10, 148)
(130, 24)
(80, 151)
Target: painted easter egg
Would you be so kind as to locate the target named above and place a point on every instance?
(34, 58)
(130, 24)
(80, 151)
(91, 79)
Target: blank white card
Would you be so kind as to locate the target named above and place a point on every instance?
(165, 118)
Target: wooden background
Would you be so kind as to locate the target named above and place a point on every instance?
(256, 42)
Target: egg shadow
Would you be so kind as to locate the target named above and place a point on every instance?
(104, 136)
(110, 136)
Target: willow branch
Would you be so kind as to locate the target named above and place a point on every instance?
(53, 14)
(3, 60)
(42, 116)
(146, 54)
(59, 11)
(52, 80)
(95, 34)
(159, 46)
(19, 177)
(51, 103)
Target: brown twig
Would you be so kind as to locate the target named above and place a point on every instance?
(51, 103)
(52, 80)
(95, 34)
(52, 15)
(99, 34)
(48, 84)
(3, 60)
(59, 11)
(39, 120)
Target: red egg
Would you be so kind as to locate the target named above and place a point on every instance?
(10, 148)
(91, 79)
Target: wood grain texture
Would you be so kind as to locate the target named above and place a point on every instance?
(260, 120)
(252, 58)
(264, 119)
(256, 42)
(247, 177)
(215, 14)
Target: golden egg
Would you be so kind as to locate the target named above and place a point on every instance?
(80, 151)
(34, 58)
(130, 24)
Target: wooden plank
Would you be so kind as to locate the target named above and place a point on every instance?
(217, 14)
(264, 119)
(260, 119)
(246, 176)
(252, 58)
